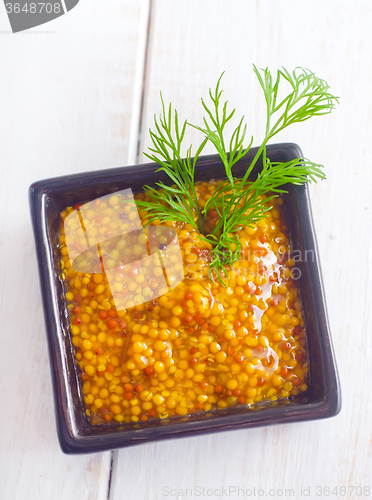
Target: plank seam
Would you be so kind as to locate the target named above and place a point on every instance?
(110, 474)
(139, 82)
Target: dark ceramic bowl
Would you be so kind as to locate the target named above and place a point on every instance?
(49, 197)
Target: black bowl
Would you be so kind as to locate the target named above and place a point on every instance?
(322, 399)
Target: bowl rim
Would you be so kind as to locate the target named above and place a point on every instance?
(71, 438)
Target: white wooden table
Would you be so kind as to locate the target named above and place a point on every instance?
(71, 100)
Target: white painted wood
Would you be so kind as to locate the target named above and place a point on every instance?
(69, 102)
(191, 43)
(66, 105)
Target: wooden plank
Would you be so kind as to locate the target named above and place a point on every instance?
(66, 106)
(191, 43)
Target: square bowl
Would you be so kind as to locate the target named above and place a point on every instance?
(76, 434)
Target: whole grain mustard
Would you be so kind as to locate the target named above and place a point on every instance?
(198, 346)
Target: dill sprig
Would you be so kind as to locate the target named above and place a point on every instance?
(238, 201)
(214, 132)
(177, 202)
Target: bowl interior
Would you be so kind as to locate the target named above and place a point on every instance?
(50, 197)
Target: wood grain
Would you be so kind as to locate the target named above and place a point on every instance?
(66, 106)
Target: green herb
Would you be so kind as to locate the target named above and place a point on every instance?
(179, 201)
(238, 201)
